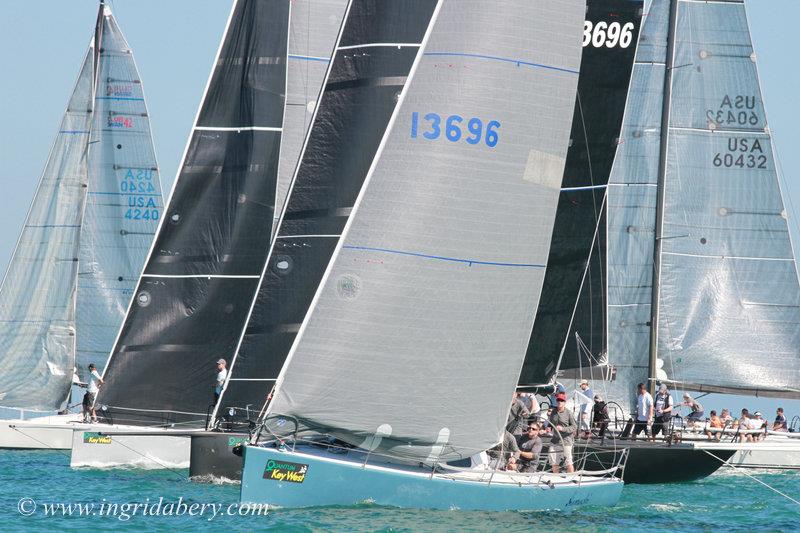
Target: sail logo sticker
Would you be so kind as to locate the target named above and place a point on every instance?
(118, 122)
(95, 438)
(284, 471)
(119, 90)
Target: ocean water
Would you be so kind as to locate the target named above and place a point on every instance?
(32, 480)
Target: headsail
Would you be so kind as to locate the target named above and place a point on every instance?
(729, 298)
(202, 275)
(313, 27)
(611, 30)
(431, 220)
(70, 277)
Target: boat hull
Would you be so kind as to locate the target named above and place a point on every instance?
(327, 480)
(115, 447)
(658, 462)
(212, 457)
(769, 454)
(43, 433)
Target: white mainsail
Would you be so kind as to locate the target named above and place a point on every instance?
(77, 258)
(728, 307)
(418, 329)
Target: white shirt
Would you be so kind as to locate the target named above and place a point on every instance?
(643, 404)
(94, 388)
(754, 423)
(221, 375)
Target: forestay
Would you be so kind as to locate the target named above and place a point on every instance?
(418, 328)
(729, 299)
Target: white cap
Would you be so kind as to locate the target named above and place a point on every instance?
(221, 362)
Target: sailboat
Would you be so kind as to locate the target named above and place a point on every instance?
(701, 286)
(424, 233)
(83, 243)
(201, 279)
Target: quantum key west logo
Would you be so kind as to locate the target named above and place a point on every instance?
(283, 471)
(95, 438)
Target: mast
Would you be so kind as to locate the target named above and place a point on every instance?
(662, 173)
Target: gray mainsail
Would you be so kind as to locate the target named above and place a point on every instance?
(70, 278)
(416, 333)
(728, 312)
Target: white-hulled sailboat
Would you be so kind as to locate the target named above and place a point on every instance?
(413, 244)
(200, 282)
(82, 246)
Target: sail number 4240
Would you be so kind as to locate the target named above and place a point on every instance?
(455, 128)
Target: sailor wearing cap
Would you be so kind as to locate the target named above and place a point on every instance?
(219, 381)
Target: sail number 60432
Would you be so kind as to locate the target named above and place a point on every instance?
(455, 128)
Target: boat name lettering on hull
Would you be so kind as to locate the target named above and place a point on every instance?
(285, 471)
(96, 438)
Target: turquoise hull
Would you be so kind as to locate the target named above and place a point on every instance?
(314, 478)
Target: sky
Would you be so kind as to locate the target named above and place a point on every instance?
(174, 42)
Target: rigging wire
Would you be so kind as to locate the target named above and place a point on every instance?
(737, 469)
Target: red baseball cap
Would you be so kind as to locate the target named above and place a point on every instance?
(561, 397)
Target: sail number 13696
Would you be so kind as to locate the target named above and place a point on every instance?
(455, 128)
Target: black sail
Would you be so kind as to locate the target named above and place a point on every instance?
(610, 36)
(203, 270)
(359, 96)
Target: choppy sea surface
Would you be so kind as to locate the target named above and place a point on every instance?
(31, 482)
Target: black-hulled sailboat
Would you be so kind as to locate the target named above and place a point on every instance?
(701, 284)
